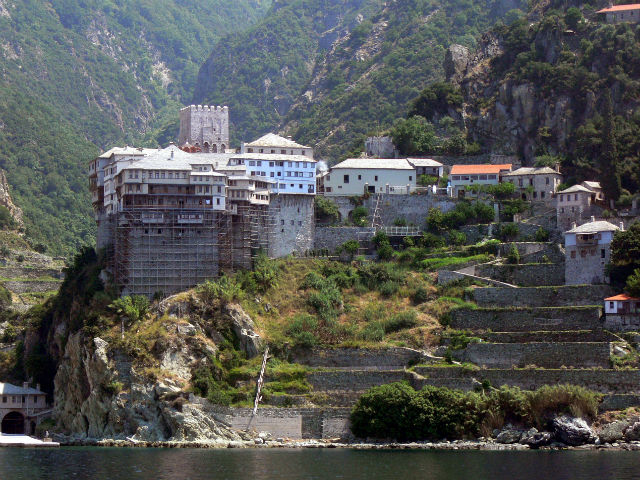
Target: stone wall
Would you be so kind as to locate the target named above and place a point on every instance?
(552, 337)
(599, 380)
(367, 358)
(294, 224)
(352, 380)
(475, 233)
(527, 319)
(330, 238)
(574, 295)
(412, 208)
(528, 275)
(545, 355)
(299, 423)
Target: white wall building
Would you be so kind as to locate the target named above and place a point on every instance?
(535, 184)
(357, 176)
(463, 176)
(427, 166)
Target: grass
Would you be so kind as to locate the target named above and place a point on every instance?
(434, 264)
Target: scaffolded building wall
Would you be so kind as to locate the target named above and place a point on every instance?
(162, 252)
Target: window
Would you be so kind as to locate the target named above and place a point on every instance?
(573, 254)
(520, 182)
(252, 163)
(492, 177)
(292, 223)
(259, 163)
(299, 223)
(376, 178)
(575, 197)
(217, 201)
(602, 253)
(547, 180)
(482, 177)
(359, 177)
(531, 182)
(281, 222)
(283, 152)
(346, 179)
(272, 174)
(541, 194)
(272, 164)
(300, 185)
(535, 194)
(410, 177)
(4, 399)
(250, 150)
(611, 305)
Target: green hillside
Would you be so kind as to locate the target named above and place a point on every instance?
(79, 76)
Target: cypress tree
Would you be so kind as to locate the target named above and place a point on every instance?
(609, 176)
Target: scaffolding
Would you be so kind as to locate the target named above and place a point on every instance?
(162, 252)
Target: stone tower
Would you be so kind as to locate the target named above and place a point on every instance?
(205, 127)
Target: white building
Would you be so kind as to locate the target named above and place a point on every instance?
(357, 176)
(272, 143)
(427, 166)
(575, 204)
(622, 312)
(463, 176)
(21, 408)
(587, 252)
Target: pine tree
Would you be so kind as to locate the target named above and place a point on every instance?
(609, 176)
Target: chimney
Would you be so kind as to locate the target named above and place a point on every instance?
(25, 384)
(573, 225)
(558, 167)
(593, 219)
(38, 386)
(622, 226)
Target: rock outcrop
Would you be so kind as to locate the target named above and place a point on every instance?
(6, 201)
(573, 431)
(245, 330)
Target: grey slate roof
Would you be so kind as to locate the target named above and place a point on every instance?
(576, 189)
(273, 140)
(595, 227)
(375, 163)
(9, 389)
(424, 162)
(531, 171)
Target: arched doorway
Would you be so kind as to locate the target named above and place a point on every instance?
(214, 148)
(13, 423)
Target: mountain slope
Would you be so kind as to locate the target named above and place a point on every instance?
(539, 89)
(260, 73)
(333, 89)
(78, 76)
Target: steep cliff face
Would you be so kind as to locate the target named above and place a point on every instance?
(537, 89)
(6, 200)
(100, 393)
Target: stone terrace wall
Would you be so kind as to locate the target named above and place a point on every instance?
(528, 275)
(412, 208)
(545, 355)
(370, 358)
(331, 238)
(604, 381)
(573, 295)
(353, 380)
(299, 423)
(527, 319)
(542, 336)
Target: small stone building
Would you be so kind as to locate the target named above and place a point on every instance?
(535, 184)
(427, 166)
(587, 252)
(357, 176)
(21, 408)
(576, 204)
(622, 312)
(622, 13)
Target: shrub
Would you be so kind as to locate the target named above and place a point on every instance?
(401, 321)
(385, 252)
(389, 288)
(426, 180)
(420, 296)
(633, 284)
(135, 308)
(302, 330)
(380, 238)
(326, 208)
(224, 290)
(359, 216)
(350, 247)
(397, 411)
(514, 255)
(508, 232)
(542, 235)
(6, 220)
(400, 222)
(5, 298)
(457, 238)
(372, 332)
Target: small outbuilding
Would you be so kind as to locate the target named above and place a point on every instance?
(622, 13)
(622, 312)
(21, 408)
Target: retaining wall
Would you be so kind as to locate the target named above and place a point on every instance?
(552, 337)
(527, 319)
(352, 380)
(331, 238)
(529, 275)
(571, 295)
(362, 358)
(545, 355)
(599, 380)
(299, 423)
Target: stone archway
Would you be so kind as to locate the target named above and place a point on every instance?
(13, 423)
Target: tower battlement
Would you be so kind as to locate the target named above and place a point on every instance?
(205, 126)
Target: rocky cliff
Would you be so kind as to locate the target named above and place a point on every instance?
(538, 89)
(6, 201)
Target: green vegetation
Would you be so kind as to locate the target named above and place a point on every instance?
(81, 76)
(625, 254)
(326, 209)
(464, 213)
(399, 412)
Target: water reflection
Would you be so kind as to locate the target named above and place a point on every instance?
(147, 464)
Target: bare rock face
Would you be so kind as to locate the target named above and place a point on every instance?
(614, 431)
(244, 329)
(535, 439)
(5, 198)
(573, 431)
(455, 62)
(509, 435)
(98, 394)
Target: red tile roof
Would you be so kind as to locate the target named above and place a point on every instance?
(475, 169)
(622, 297)
(621, 8)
